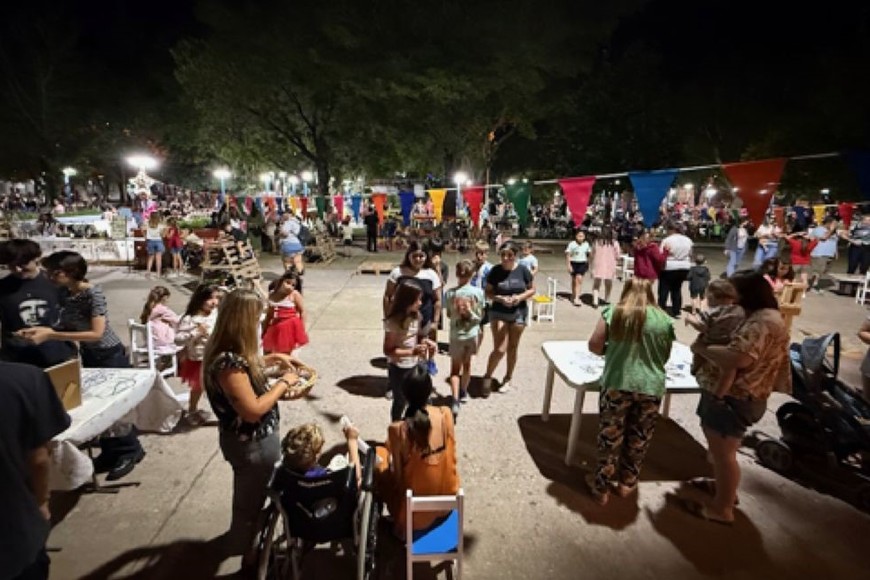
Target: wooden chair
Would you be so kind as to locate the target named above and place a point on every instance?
(790, 302)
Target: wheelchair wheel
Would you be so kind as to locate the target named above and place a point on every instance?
(368, 514)
(775, 454)
(280, 556)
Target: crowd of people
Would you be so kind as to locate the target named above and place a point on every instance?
(238, 348)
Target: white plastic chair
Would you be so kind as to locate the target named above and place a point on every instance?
(863, 290)
(142, 351)
(626, 270)
(442, 542)
(544, 305)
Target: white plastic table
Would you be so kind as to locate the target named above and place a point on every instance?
(137, 396)
(580, 369)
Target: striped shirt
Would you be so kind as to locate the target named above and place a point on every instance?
(77, 312)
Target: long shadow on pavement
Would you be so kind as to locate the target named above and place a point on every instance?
(674, 455)
(364, 385)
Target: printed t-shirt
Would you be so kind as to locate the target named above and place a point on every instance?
(578, 252)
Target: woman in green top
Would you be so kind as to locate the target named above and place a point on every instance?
(635, 338)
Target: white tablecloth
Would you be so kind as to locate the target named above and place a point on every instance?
(137, 396)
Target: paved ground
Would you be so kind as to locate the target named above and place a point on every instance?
(528, 515)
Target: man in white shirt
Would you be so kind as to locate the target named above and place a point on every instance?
(678, 249)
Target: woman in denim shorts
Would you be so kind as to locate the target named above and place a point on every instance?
(154, 243)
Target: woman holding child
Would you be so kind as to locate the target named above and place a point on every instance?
(758, 351)
(247, 410)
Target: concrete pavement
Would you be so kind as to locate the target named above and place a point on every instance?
(528, 515)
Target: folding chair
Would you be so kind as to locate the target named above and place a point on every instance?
(544, 305)
(143, 353)
(863, 290)
(441, 542)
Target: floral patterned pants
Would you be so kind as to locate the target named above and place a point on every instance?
(625, 427)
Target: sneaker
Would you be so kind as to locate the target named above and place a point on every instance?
(577, 302)
(505, 387)
(432, 367)
(463, 396)
(389, 395)
(817, 291)
(454, 408)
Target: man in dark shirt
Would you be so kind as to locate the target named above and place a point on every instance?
(30, 416)
(371, 222)
(27, 299)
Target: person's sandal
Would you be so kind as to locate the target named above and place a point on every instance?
(699, 510)
(598, 496)
(707, 486)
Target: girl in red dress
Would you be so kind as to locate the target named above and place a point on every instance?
(284, 327)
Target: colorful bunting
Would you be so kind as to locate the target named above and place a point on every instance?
(303, 205)
(577, 191)
(819, 213)
(437, 197)
(449, 207)
(338, 204)
(379, 199)
(406, 201)
(355, 204)
(846, 209)
(650, 188)
(756, 182)
(474, 198)
(320, 203)
(519, 194)
(294, 203)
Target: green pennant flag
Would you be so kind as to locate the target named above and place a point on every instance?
(320, 202)
(519, 195)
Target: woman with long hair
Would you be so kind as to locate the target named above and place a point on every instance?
(759, 352)
(417, 266)
(246, 408)
(509, 286)
(420, 453)
(154, 243)
(635, 337)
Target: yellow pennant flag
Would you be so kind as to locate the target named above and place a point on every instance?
(437, 196)
(294, 201)
(819, 213)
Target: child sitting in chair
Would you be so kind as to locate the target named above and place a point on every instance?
(303, 446)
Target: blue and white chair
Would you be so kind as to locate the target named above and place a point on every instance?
(441, 542)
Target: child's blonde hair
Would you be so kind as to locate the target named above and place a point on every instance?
(722, 289)
(301, 447)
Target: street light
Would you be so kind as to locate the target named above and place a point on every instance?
(460, 178)
(307, 177)
(222, 174)
(142, 162)
(294, 181)
(266, 178)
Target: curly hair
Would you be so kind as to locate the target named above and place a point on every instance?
(301, 447)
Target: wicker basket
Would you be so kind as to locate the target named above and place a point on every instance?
(301, 388)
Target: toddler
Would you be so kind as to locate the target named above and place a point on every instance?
(717, 325)
(699, 279)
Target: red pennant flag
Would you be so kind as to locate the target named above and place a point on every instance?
(779, 216)
(577, 192)
(756, 182)
(846, 209)
(303, 204)
(474, 198)
(338, 203)
(378, 199)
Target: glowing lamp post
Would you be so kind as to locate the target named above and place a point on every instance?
(460, 178)
(307, 177)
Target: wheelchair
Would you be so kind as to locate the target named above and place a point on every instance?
(304, 512)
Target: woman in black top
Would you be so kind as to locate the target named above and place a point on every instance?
(246, 408)
(508, 286)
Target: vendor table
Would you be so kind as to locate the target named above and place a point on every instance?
(138, 396)
(580, 369)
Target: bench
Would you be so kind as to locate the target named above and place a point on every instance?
(847, 284)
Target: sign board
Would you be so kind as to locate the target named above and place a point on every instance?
(119, 228)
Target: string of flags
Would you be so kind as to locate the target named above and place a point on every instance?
(754, 182)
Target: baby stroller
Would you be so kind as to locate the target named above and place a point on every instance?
(827, 427)
(304, 512)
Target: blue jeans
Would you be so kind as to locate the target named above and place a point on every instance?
(734, 259)
(765, 252)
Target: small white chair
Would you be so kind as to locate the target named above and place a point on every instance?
(544, 305)
(142, 351)
(626, 270)
(444, 540)
(863, 290)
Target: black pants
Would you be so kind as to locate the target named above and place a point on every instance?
(371, 241)
(671, 284)
(859, 258)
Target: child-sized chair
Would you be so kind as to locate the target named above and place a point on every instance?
(142, 351)
(443, 541)
(544, 305)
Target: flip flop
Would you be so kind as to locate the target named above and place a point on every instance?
(699, 510)
(707, 486)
